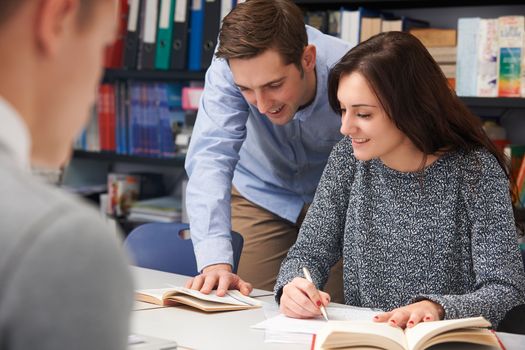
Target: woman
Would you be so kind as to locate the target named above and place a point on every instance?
(415, 199)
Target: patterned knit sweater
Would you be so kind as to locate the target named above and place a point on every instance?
(446, 234)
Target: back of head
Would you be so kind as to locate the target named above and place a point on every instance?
(257, 25)
(414, 93)
(50, 49)
(9, 7)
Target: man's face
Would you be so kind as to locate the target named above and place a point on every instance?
(276, 89)
(73, 74)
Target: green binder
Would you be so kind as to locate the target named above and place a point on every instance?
(164, 34)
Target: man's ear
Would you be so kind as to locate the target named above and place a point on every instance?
(308, 59)
(54, 19)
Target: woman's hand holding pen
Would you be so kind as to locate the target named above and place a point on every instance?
(301, 299)
(410, 315)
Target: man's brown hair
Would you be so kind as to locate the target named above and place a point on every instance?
(258, 25)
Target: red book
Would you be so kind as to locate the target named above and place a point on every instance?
(113, 56)
(112, 118)
(103, 116)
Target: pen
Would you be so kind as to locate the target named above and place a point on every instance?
(309, 278)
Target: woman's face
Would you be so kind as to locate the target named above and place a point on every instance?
(373, 133)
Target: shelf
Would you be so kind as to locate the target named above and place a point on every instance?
(178, 161)
(494, 102)
(390, 4)
(162, 75)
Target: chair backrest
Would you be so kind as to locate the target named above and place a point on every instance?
(162, 246)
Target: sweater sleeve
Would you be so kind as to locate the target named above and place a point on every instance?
(70, 287)
(497, 265)
(320, 241)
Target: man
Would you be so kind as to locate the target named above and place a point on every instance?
(263, 124)
(65, 282)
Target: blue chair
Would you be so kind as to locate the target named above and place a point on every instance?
(167, 247)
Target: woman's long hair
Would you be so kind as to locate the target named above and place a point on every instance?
(415, 94)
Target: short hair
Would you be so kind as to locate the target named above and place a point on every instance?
(255, 26)
(9, 7)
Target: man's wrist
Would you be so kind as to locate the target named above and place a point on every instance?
(215, 267)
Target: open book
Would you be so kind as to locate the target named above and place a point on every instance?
(233, 300)
(375, 335)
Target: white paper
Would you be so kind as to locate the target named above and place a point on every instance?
(282, 329)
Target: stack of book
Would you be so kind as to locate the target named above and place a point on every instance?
(358, 25)
(161, 209)
(490, 57)
(135, 118)
(441, 44)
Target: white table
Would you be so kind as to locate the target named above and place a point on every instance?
(192, 329)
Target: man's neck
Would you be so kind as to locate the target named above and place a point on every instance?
(311, 91)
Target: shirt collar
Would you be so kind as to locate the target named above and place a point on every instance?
(14, 134)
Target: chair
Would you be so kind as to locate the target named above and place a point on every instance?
(514, 320)
(167, 247)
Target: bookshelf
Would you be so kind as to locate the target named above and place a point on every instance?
(496, 102)
(435, 11)
(441, 14)
(111, 75)
(177, 161)
(327, 4)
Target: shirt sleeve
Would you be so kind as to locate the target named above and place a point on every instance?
(497, 265)
(70, 286)
(320, 241)
(219, 132)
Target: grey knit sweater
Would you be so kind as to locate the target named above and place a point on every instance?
(447, 235)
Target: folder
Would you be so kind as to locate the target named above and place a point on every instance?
(146, 55)
(212, 13)
(196, 29)
(132, 35)
(114, 53)
(179, 50)
(226, 7)
(164, 34)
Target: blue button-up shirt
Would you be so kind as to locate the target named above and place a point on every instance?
(276, 167)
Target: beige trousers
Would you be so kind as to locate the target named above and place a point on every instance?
(267, 239)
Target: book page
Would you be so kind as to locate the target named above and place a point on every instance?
(227, 299)
(231, 298)
(479, 336)
(237, 295)
(204, 305)
(422, 332)
(346, 334)
(153, 296)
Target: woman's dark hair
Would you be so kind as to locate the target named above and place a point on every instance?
(415, 94)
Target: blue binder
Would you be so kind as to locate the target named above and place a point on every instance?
(196, 29)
